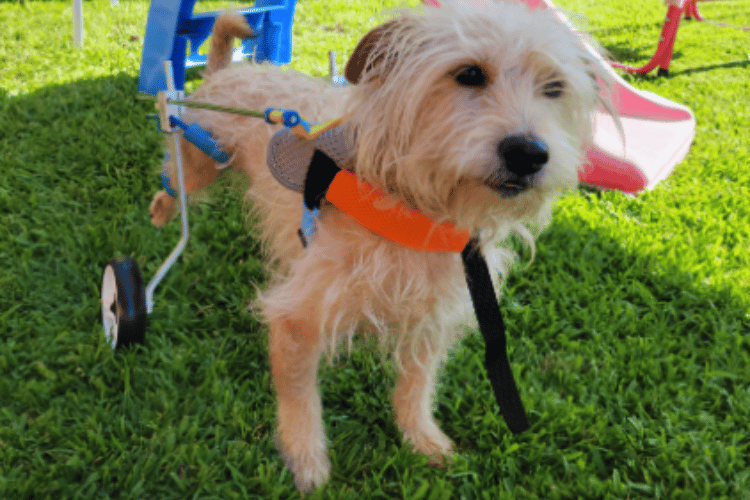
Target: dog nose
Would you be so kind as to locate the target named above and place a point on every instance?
(523, 155)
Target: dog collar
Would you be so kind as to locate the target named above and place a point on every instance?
(377, 211)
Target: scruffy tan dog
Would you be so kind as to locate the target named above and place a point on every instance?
(477, 113)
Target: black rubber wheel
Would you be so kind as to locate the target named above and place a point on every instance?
(123, 303)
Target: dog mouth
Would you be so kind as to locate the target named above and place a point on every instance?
(511, 187)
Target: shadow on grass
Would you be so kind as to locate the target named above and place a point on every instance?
(78, 159)
(624, 359)
(79, 130)
(625, 52)
(603, 340)
(712, 67)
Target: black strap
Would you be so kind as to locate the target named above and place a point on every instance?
(493, 330)
(319, 178)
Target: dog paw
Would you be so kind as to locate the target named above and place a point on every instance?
(430, 441)
(163, 208)
(311, 469)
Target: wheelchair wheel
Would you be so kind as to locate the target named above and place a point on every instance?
(123, 303)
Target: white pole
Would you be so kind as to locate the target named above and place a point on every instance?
(176, 155)
(78, 23)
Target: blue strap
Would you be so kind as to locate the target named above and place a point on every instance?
(197, 135)
(308, 225)
(165, 182)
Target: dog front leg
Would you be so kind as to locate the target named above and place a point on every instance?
(295, 355)
(413, 401)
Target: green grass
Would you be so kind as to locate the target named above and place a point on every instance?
(629, 332)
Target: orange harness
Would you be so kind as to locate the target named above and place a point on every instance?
(398, 222)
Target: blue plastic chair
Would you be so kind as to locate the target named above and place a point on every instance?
(172, 24)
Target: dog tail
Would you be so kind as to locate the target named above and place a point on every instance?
(227, 26)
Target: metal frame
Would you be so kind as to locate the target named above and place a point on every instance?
(176, 155)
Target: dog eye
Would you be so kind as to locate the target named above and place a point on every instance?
(471, 76)
(554, 89)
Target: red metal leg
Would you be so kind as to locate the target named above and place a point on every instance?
(691, 11)
(665, 48)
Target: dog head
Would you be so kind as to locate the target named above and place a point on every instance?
(476, 112)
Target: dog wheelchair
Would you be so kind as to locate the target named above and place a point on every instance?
(125, 301)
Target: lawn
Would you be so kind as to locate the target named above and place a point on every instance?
(629, 332)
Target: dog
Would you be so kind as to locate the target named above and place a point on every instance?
(476, 114)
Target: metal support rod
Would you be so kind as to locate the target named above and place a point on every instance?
(177, 156)
(336, 79)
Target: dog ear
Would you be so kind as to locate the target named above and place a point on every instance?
(362, 59)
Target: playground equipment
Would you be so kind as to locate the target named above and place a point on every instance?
(172, 26)
(662, 58)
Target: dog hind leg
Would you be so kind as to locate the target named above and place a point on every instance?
(199, 170)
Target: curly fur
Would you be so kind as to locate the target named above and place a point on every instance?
(428, 142)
